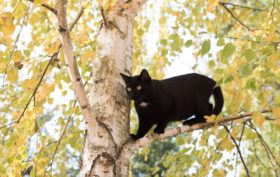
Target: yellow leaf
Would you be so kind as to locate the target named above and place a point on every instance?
(6, 20)
(44, 91)
(226, 144)
(258, 119)
(211, 118)
(52, 48)
(29, 83)
(219, 173)
(212, 5)
(34, 18)
(20, 11)
(39, 110)
(17, 57)
(12, 75)
(3, 64)
(276, 112)
(87, 55)
(38, 2)
(213, 2)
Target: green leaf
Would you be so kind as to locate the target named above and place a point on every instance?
(164, 52)
(206, 45)
(163, 42)
(228, 50)
(228, 79)
(244, 70)
(250, 54)
(211, 64)
(251, 84)
(140, 32)
(221, 42)
(176, 42)
(180, 140)
(188, 43)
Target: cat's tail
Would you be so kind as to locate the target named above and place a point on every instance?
(219, 100)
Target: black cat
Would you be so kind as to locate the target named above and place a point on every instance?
(177, 98)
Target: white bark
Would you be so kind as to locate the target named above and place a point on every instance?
(72, 65)
(103, 152)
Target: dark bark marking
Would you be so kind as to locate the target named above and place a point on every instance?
(104, 159)
(62, 29)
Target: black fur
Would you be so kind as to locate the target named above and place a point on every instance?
(177, 98)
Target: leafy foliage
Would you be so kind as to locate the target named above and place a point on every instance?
(237, 43)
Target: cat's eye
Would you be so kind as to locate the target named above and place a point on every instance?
(138, 87)
(128, 89)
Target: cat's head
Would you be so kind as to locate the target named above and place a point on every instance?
(138, 87)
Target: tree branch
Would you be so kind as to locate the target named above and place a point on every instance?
(241, 6)
(47, 7)
(59, 140)
(34, 92)
(256, 155)
(80, 13)
(239, 151)
(183, 129)
(233, 16)
(242, 131)
(264, 144)
(70, 59)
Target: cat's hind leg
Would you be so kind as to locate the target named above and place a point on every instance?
(202, 108)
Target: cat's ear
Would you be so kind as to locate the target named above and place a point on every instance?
(125, 78)
(144, 75)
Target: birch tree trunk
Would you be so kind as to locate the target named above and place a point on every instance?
(102, 151)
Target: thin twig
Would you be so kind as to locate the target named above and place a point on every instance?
(241, 6)
(39, 83)
(49, 8)
(15, 44)
(264, 143)
(239, 144)
(233, 16)
(34, 92)
(256, 155)
(63, 133)
(80, 13)
(239, 151)
(53, 10)
(59, 140)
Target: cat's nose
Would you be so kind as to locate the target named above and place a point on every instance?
(131, 96)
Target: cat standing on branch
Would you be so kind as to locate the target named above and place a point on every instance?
(178, 98)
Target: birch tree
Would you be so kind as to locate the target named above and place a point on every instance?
(64, 108)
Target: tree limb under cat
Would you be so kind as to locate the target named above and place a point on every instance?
(183, 129)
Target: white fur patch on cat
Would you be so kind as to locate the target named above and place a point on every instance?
(144, 104)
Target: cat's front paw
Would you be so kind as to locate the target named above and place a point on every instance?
(159, 130)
